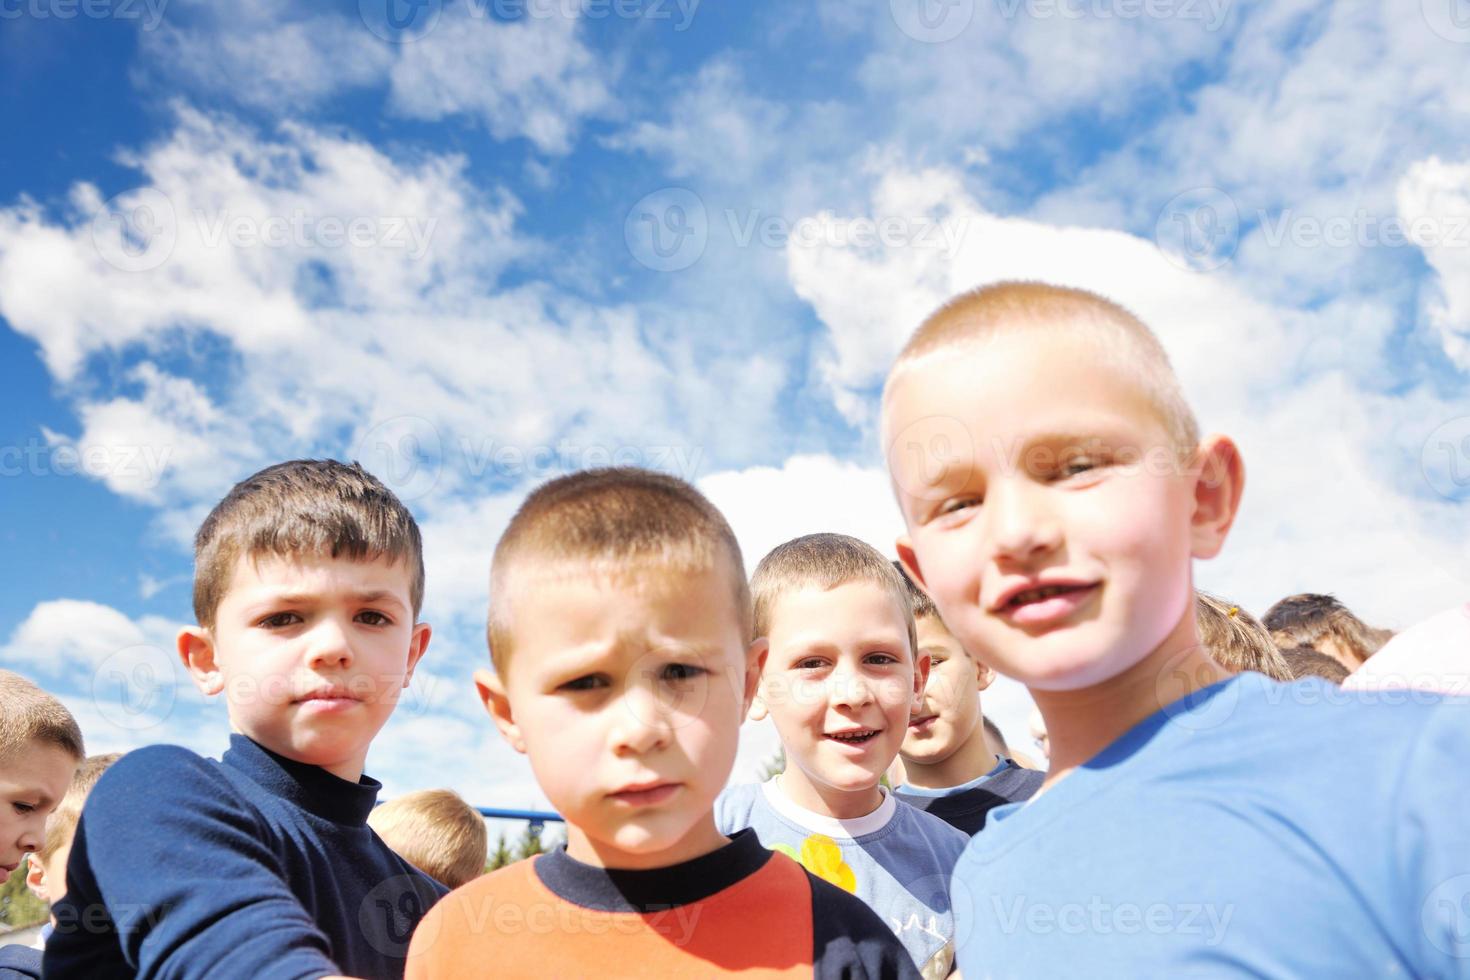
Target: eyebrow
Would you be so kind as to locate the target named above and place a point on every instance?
(357, 598)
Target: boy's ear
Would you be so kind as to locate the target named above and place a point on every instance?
(755, 662)
(196, 650)
(1219, 481)
(36, 877)
(910, 561)
(418, 645)
(984, 676)
(921, 676)
(492, 695)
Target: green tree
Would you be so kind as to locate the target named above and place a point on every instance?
(501, 856)
(18, 907)
(530, 843)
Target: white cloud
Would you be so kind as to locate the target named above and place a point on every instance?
(1434, 203)
(263, 54)
(531, 78)
(316, 342)
(716, 131)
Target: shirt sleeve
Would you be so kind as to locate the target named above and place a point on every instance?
(173, 870)
(850, 942)
(1434, 842)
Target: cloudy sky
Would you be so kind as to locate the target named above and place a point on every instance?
(479, 243)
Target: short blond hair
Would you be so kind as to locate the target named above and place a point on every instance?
(62, 824)
(435, 831)
(28, 715)
(304, 507)
(1236, 640)
(825, 561)
(613, 522)
(974, 317)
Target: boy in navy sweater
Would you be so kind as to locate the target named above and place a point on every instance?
(307, 585)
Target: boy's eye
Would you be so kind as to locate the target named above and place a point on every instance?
(24, 808)
(277, 620)
(956, 504)
(936, 661)
(682, 672)
(374, 618)
(810, 663)
(881, 658)
(590, 682)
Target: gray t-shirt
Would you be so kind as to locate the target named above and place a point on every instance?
(897, 859)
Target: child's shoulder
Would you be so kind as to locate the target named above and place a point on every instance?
(735, 804)
(914, 823)
(157, 769)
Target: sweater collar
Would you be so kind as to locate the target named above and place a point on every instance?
(310, 787)
(615, 890)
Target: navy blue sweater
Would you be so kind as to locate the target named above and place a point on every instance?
(255, 866)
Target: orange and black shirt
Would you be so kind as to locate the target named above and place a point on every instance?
(741, 909)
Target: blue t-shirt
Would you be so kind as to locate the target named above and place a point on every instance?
(1253, 829)
(896, 859)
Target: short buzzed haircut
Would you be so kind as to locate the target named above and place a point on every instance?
(1308, 617)
(825, 561)
(614, 522)
(61, 826)
(1308, 662)
(435, 831)
(30, 716)
(318, 507)
(1236, 640)
(919, 600)
(974, 317)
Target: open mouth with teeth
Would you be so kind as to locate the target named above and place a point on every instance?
(1043, 593)
(854, 738)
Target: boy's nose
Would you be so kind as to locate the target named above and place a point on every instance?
(642, 724)
(1020, 523)
(851, 689)
(329, 646)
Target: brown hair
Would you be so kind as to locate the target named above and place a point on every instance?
(610, 522)
(62, 823)
(979, 314)
(825, 561)
(1305, 618)
(1236, 640)
(304, 507)
(435, 831)
(919, 600)
(1309, 662)
(29, 715)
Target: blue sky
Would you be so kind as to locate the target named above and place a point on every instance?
(506, 239)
